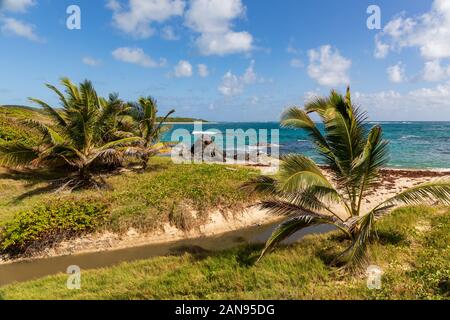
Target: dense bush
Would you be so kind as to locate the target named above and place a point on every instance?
(46, 224)
(11, 130)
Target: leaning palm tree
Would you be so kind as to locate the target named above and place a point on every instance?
(82, 135)
(149, 127)
(352, 156)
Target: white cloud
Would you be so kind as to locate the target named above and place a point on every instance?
(254, 100)
(439, 95)
(429, 32)
(113, 5)
(233, 85)
(136, 56)
(434, 71)
(168, 33)
(296, 63)
(11, 26)
(291, 49)
(137, 18)
(91, 61)
(222, 44)
(203, 70)
(183, 69)
(396, 73)
(310, 95)
(328, 67)
(16, 5)
(381, 49)
(250, 76)
(213, 20)
(424, 103)
(213, 16)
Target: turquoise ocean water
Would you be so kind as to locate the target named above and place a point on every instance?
(412, 144)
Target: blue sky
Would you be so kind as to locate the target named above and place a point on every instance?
(234, 60)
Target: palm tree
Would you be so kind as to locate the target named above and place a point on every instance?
(144, 113)
(82, 136)
(353, 157)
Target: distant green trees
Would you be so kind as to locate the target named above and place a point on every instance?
(87, 132)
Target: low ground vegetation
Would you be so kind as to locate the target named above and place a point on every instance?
(412, 250)
(182, 195)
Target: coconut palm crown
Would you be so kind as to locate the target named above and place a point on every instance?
(82, 134)
(352, 156)
(145, 114)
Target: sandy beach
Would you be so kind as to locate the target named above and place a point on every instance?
(393, 181)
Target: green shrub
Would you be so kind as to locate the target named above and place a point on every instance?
(11, 131)
(46, 224)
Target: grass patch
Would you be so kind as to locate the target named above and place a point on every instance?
(414, 268)
(179, 194)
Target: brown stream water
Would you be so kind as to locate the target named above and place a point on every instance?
(34, 269)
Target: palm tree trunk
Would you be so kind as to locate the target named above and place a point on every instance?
(84, 174)
(145, 159)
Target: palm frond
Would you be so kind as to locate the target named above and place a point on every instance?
(71, 89)
(373, 157)
(68, 153)
(346, 138)
(355, 256)
(79, 130)
(261, 184)
(54, 154)
(298, 173)
(120, 143)
(318, 105)
(61, 96)
(284, 208)
(293, 225)
(156, 132)
(135, 152)
(109, 110)
(108, 125)
(298, 119)
(315, 198)
(438, 191)
(16, 154)
(365, 168)
(127, 123)
(344, 131)
(85, 131)
(110, 156)
(50, 135)
(119, 134)
(148, 113)
(50, 111)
